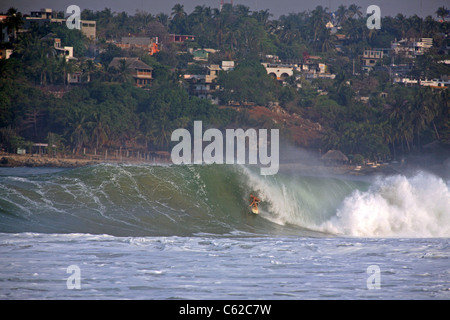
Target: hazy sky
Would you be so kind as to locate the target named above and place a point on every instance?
(276, 7)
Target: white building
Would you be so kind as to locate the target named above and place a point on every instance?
(227, 65)
(412, 47)
(280, 71)
(65, 51)
(46, 15)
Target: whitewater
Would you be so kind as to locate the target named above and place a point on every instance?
(186, 232)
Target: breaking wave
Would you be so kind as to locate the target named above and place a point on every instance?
(144, 200)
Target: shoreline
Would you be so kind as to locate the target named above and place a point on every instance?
(8, 160)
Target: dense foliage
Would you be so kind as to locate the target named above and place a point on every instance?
(110, 112)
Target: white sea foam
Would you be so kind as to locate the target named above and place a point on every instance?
(396, 206)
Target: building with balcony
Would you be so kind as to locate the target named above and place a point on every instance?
(410, 48)
(180, 38)
(141, 72)
(46, 16)
(204, 86)
(370, 58)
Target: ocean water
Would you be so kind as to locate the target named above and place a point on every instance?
(186, 232)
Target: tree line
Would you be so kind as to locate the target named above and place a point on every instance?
(110, 112)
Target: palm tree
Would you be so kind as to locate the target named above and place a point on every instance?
(100, 130)
(415, 27)
(430, 27)
(198, 19)
(161, 130)
(402, 23)
(262, 16)
(178, 11)
(178, 19)
(397, 109)
(105, 22)
(341, 14)
(32, 119)
(142, 19)
(45, 54)
(442, 12)
(65, 67)
(419, 113)
(319, 18)
(199, 11)
(163, 19)
(79, 136)
(371, 34)
(105, 73)
(389, 135)
(123, 72)
(89, 69)
(241, 10)
(354, 29)
(13, 21)
(353, 10)
(328, 42)
(231, 38)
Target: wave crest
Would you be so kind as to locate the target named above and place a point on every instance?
(395, 206)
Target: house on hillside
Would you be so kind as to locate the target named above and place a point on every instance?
(200, 55)
(65, 51)
(46, 16)
(227, 65)
(179, 38)
(204, 86)
(371, 58)
(280, 71)
(148, 44)
(141, 72)
(310, 68)
(61, 51)
(411, 47)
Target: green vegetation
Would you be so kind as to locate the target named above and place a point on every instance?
(239, 84)
(103, 115)
(109, 112)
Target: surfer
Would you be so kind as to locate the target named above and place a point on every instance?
(255, 200)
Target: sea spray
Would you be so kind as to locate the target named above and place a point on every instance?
(298, 200)
(395, 206)
(130, 200)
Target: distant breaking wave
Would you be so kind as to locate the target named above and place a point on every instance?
(396, 206)
(144, 200)
(393, 206)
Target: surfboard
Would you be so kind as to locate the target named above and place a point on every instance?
(255, 210)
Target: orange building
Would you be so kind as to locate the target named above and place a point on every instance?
(145, 43)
